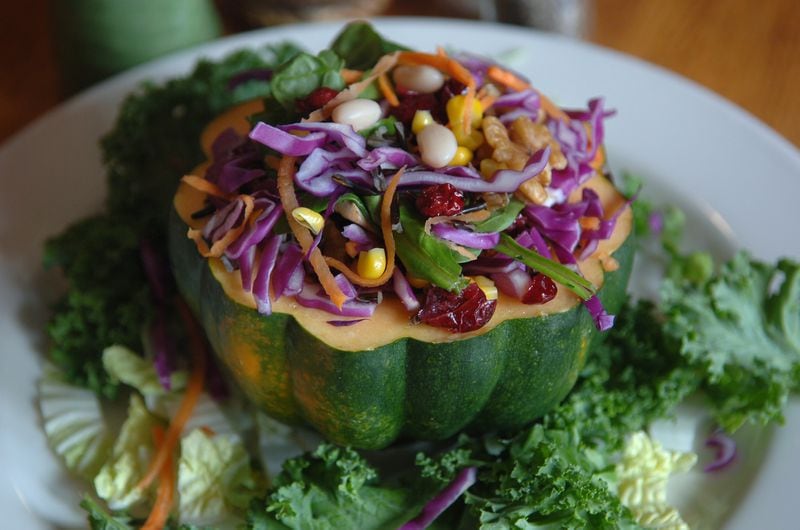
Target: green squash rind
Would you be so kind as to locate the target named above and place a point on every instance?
(500, 380)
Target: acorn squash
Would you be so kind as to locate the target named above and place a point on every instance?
(386, 378)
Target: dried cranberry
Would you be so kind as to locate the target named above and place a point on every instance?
(451, 88)
(519, 224)
(457, 312)
(411, 103)
(541, 290)
(440, 199)
(316, 99)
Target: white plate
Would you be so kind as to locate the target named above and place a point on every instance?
(739, 179)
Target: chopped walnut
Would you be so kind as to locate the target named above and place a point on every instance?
(535, 136)
(514, 151)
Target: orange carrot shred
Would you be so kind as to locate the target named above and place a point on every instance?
(205, 186)
(386, 89)
(350, 76)
(159, 514)
(286, 172)
(487, 100)
(193, 389)
(506, 78)
(388, 241)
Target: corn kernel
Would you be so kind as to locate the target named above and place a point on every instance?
(462, 157)
(371, 263)
(471, 141)
(309, 218)
(487, 286)
(422, 118)
(455, 111)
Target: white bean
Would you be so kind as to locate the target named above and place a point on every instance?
(423, 79)
(437, 145)
(360, 113)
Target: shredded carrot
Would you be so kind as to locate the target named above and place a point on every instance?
(441, 52)
(506, 78)
(207, 187)
(388, 241)
(387, 90)
(272, 162)
(289, 201)
(159, 514)
(487, 101)
(589, 223)
(350, 76)
(193, 389)
(208, 431)
(452, 68)
(197, 236)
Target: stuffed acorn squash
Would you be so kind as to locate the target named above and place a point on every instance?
(436, 258)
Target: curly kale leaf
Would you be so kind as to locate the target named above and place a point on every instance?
(331, 488)
(153, 143)
(107, 302)
(742, 329)
(155, 139)
(634, 377)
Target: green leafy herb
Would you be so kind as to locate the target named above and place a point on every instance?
(361, 46)
(555, 271)
(501, 218)
(424, 256)
(303, 74)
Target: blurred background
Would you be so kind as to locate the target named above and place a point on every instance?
(749, 52)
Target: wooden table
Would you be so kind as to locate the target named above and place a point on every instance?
(749, 52)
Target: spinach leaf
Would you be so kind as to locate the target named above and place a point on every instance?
(305, 72)
(361, 46)
(426, 257)
(502, 218)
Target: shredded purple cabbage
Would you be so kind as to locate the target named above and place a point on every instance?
(404, 291)
(286, 143)
(465, 237)
(163, 348)
(266, 264)
(514, 283)
(437, 505)
(725, 451)
(355, 233)
(259, 230)
(313, 296)
(388, 158)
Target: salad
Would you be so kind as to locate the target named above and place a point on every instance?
(582, 464)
